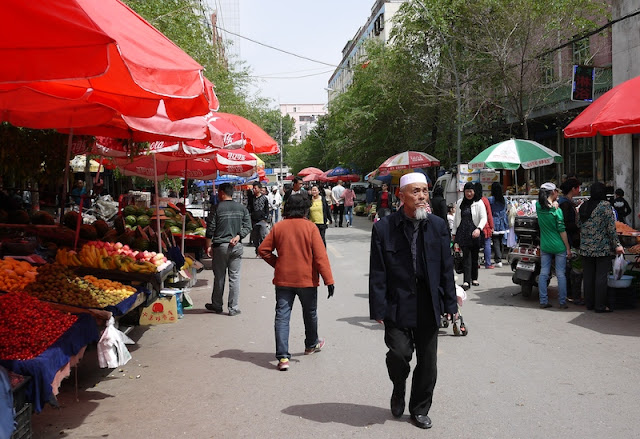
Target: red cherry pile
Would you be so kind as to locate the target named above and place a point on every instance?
(28, 327)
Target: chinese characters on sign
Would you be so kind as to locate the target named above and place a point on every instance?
(583, 80)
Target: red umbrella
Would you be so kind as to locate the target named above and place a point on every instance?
(615, 112)
(144, 66)
(289, 177)
(312, 177)
(257, 140)
(310, 170)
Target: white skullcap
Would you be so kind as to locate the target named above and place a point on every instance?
(414, 177)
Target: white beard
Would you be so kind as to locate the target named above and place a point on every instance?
(421, 213)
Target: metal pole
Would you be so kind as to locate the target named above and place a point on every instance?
(281, 172)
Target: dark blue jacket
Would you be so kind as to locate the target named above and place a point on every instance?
(392, 280)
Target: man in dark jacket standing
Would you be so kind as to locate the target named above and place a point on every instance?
(227, 224)
(259, 211)
(410, 271)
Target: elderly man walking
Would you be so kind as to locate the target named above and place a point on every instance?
(227, 224)
(410, 272)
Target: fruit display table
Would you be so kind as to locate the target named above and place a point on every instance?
(50, 367)
(154, 280)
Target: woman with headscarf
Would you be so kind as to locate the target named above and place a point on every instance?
(553, 244)
(438, 203)
(598, 242)
(487, 231)
(469, 220)
(500, 223)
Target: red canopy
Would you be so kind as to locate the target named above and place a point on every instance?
(258, 141)
(144, 66)
(615, 112)
(310, 170)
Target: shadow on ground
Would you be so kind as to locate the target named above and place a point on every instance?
(362, 322)
(356, 415)
(262, 359)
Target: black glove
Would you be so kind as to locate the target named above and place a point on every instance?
(331, 289)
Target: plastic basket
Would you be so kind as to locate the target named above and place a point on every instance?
(23, 423)
(623, 282)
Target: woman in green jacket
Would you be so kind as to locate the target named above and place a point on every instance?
(553, 244)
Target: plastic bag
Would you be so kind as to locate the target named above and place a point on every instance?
(619, 267)
(112, 350)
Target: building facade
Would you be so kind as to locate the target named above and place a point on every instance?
(378, 27)
(305, 117)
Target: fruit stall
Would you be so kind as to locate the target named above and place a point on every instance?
(66, 286)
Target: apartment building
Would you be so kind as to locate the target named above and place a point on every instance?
(378, 26)
(305, 117)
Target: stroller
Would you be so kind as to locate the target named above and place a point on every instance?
(459, 328)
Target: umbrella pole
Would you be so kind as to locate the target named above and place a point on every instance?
(66, 175)
(184, 202)
(155, 184)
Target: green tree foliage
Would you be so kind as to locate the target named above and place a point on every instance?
(478, 60)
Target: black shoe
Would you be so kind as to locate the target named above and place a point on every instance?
(603, 310)
(545, 305)
(421, 421)
(210, 307)
(397, 400)
(563, 306)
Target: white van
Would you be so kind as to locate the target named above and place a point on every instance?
(360, 188)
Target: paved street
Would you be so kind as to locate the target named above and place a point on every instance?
(522, 372)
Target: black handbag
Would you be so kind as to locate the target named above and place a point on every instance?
(458, 265)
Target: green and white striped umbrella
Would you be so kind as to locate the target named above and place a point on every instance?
(513, 153)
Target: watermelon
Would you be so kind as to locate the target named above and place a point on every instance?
(175, 229)
(150, 212)
(130, 210)
(141, 244)
(42, 218)
(143, 220)
(88, 232)
(130, 220)
(169, 212)
(70, 220)
(191, 225)
(101, 227)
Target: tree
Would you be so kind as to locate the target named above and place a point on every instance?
(495, 47)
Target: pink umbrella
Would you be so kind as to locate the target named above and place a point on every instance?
(310, 170)
(312, 177)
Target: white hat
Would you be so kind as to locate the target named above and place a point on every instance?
(548, 186)
(414, 177)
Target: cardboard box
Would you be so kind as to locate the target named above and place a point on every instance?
(163, 310)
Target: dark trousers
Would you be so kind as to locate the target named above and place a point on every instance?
(470, 262)
(401, 343)
(323, 229)
(338, 211)
(594, 272)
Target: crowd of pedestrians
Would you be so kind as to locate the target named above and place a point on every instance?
(411, 276)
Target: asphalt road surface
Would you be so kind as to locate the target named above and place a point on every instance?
(522, 372)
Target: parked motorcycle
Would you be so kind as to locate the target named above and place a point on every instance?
(524, 258)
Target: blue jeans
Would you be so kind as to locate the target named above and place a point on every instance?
(487, 252)
(348, 214)
(545, 272)
(284, 302)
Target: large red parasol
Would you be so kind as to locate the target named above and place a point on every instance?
(615, 112)
(143, 68)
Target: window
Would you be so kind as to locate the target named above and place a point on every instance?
(581, 54)
(547, 70)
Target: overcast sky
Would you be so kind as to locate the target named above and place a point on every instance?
(317, 29)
